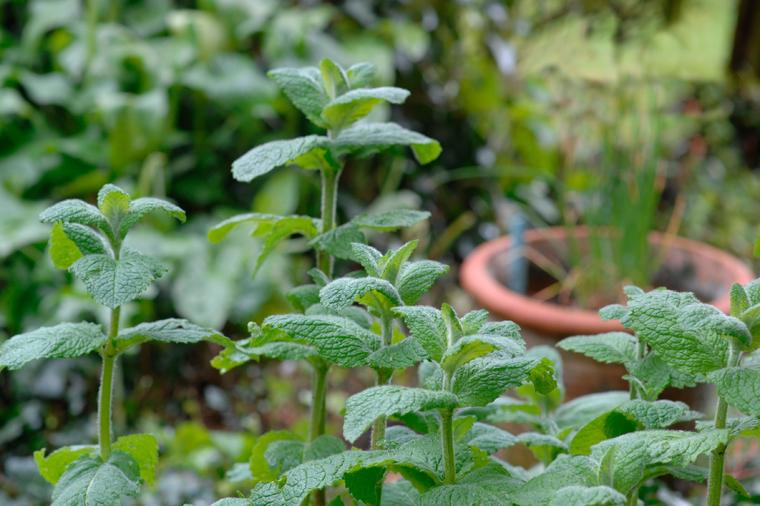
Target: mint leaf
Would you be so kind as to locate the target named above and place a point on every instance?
(362, 484)
(399, 493)
(114, 282)
(316, 475)
(303, 297)
(740, 387)
(582, 410)
(338, 241)
(609, 348)
(304, 89)
(113, 202)
(305, 224)
(564, 471)
(368, 257)
(484, 379)
(334, 78)
(416, 278)
(52, 466)
(386, 400)
(388, 221)
(87, 241)
(338, 340)
(343, 292)
(489, 438)
(139, 208)
(427, 327)
(170, 330)
(266, 157)
(91, 482)
(575, 495)
(143, 448)
(377, 136)
(63, 251)
(401, 355)
(75, 211)
(259, 463)
(462, 494)
(65, 340)
(469, 348)
(361, 74)
(245, 350)
(353, 105)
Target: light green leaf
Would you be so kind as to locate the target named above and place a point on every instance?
(91, 482)
(389, 221)
(473, 321)
(75, 211)
(245, 350)
(139, 208)
(399, 493)
(115, 282)
(334, 78)
(143, 448)
(353, 105)
(338, 340)
(266, 157)
(63, 251)
(259, 464)
(303, 224)
(284, 455)
(740, 387)
(609, 348)
(343, 292)
(489, 438)
(582, 410)
(361, 75)
(564, 471)
(416, 278)
(469, 348)
(368, 257)
(170, 330)
(113, 202)
(65, 340)
(386, 400)
(304, 88)
(338, 241)
(575, 495)
(427, 327)
(657, 318)
(51, 467)
(378, 136)
(401, 355)
(484, 379)
(316, 475)
(462, 494)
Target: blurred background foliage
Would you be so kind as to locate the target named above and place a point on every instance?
(638, 114)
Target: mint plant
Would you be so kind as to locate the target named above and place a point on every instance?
(332, 333)
(88, 241)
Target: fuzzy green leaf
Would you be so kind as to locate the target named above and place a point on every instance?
(386, 400)
(564, 471)
(469, 348)
(139, 208)
(63, 251)
(582, 410)
(462, 494)
(339, 340)
(484, 379)
(389, 221)
(609, 348)
(334, 78)
(740, 387)
(401, 355)
(338, 241)
(427, 327)
(575, 495)
(52, 467)
(353, 105)
(343, 292)
(368, 257)
(378, 136)
(113, 202)
(317, 474)
(75, 211)
(489, 438)
(362, 484)
(304, 89)
(301, 224)
(143, 448)
(416, 278)
(266, 157)
(115, 282)
(91, 482)
(65, 340)
(170, 330)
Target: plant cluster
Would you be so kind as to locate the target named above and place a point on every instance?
(436, 443)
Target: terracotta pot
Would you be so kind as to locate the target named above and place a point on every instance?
(710, 270)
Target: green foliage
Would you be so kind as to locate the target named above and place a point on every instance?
(65, 340)
(90, 481)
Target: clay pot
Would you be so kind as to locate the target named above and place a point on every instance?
(695, 266)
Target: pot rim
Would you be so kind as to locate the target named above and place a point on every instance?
(555, 319)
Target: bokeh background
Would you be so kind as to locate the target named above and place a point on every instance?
(550, 112)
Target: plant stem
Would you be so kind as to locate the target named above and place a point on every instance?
(383, 377)
(330, 180)
(641, 352)
(317, 425)
(715, 479)
(106, 388)
(447, 442)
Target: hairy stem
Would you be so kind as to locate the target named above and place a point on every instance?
(717, 458)
(383, 377)
(318, 412)
(641, 352)
(447, 442)
(106, 388)
(330, 180)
